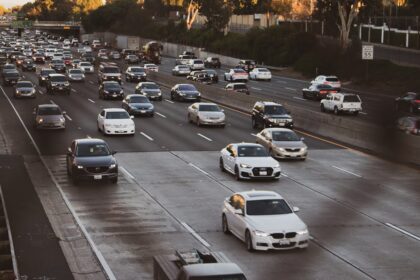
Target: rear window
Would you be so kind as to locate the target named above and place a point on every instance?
(330, 79)
(351, 98)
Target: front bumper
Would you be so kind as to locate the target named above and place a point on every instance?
(76, 79)
(259, 173)
(25, 94)
(284, 154)
(93, 174)
(120, 130)
(11, 82)
(136, 78)
(279, 124)
(216, 122)
(265, 243)
(112, 95)
(60, 89)
(51, 125)
(140, 112)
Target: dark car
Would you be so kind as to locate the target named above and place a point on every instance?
(24, 89)
(247, 64)
(38, 58)
(135, 74)
(58, 65)
(132, 59)
(44, 75)
(88, 57)
(318, 91)
(49, 116)
(185, 92)
(238, 87)
(212, 62)
(58, 83)
(14, 54)
(111, 90)
(19, 60)
(149, 89)
(270, 114)
(136, 104)
(28, 65)
(214, 78)
(8, 67)
(11, 77)
(409, 102)
(91, 159)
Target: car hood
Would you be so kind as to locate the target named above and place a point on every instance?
(211, 114)
(95, 161)
(119, 121)
(191, 92)
(151, 91)
(289, 144)
(258, 161)
(24, 89)
(76, 75)
(277, 223)
(51, 118)
(285, 116)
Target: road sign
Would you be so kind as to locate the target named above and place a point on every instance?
(367, 52)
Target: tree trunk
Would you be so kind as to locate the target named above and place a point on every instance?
(347, 16)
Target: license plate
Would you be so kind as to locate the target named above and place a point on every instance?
(114, 95)
(97, 177)
(60, 88)
(142, 111)
(263, 173)
(284, 242)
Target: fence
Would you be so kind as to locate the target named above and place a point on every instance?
(390, 36)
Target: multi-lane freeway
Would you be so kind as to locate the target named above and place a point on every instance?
(361, 210)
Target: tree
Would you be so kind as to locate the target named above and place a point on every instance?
(3, 10)
(217, 13)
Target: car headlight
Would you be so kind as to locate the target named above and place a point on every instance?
(62, 119)
(305, 231)
(121, 91)
(198, 94)
(281, 149)
(40, 120)
(112, 166)
(43, 78)
(277, 165)
(33, 91)
(261, 233)
(119, 77)
(159, 94)
(105, 91)
(66, 84)
(182, 94)
(79, 167)
(243, 165)
(303, 149)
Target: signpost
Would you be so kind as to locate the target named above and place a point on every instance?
(367, 54)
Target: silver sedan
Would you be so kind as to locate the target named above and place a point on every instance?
(206, 114)
(283, 143)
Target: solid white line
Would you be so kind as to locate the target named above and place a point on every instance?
(95, 250)
(363, 113)
(68, 117)
(147, 136)
(167, 100)
(299, 98)
(255, 135)
(40, 91)
(256, 88)
(341, 169)
(289, 88)
(403, 231)
(91, 100)
(198, 168)
(205, 137)
(159, 114)
(125, 171)
(91, 82)
(88, 136)
(198, 237)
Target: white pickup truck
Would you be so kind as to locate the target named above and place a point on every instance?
(342, 103)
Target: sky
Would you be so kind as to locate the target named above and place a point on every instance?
(11, 3)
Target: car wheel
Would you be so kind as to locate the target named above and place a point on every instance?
(198, 122)
(189, 118)
(304, 95)
(103, 130)
(97, 124)
(114, 180)
(336, 112)
(254, 123)
(222, 165)
(225, 226)
(237, 176)
(248, 241)
(356, 113)
(322, 108)
(172, 96)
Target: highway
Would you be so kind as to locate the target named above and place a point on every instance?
(362, 211)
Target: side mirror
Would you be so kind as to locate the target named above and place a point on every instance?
(113, 152)
(302, 139)
(64, 112)
(238, 212)
(131, 117)
(296, 209)
(69, 152)
(222, 110)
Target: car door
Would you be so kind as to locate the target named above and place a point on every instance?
(230, 157)
(327, 103)
(194, 111)
(231, 205)
(101, 119)
(262, 138)
(125, 103)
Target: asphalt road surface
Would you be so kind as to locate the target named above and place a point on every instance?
(362, 211)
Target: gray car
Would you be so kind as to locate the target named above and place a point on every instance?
(76, 75)
(149, 89)
(136, 104)
(283, 143)
(206, 114)
(49, 116)
(24, 89)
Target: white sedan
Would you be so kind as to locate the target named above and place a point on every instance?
(116, 121)
(236, 74)
(247, 161)
(151, 67)
(87, 67)
(206, 114)
(264, 221)
(260, 74)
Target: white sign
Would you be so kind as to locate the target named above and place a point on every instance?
(367, 52)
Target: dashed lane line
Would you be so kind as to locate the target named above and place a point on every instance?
(147, 136)
(346, 171)
(299, 98)
(160, 115)
(90, 100)
(289, 88)
(68, 117)
(196, 235)
(73, 90)
(403, 231)
(198, 168)
(52, 102)
(169, 101)
(256, 88)
(205, 137)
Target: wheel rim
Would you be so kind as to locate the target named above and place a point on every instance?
(248, 241)
(221, 165)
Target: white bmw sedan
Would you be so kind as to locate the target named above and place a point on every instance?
(116, 121)
(247, 161)
(264, 221)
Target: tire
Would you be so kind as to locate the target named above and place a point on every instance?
(322, 108)
(356, 113)
(254, 124)
(336, 112)
(103, 130)
(172, 96)
(189, 118)
(97, 125)
(248, 241)
(198, 122)
(304, 95)
(114, 180)
(225, 226)
(221, 165)
(237, 176)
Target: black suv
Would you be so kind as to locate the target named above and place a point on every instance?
(58, 83)
(270, 114)
(109, 72)
(111, 89)
(44, 75)
(11, 77)
(247, 65)
(58, 65)
(212, 62)
(28, 65)
(91, 159)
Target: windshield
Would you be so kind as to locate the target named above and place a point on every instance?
(139, 99)
(46, 72)
(137, 70)
(113, 86)
(285, 136)
(351, 98)
(85, 64)
(49, 111)
(24, 84)
(187, 87)
(252, 151)
(322, 86)
(275, 110)
(209, 108)
(150, 86)
(219, 277)
(263, 70)
(331, 79)
(58, 79)
(11, 74)
(75, 71)
(267, 207)
(117, 115)
(111, 70)
(92, 150)
(238, 71)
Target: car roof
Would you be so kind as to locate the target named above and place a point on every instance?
(89, 140)
(48, 106)
(205, 103)
(214, 269)
(114, 110)
(259, 195)
(269, 103)
(110, 82)
(56, 75)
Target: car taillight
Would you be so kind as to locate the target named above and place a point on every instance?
(322, 91)
(417, 101)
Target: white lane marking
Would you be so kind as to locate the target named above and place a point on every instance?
(95, 249)
(91, 100)
(363, 113)
(299, 98)
(161, 115)
(253, 134)
(68, 117)
(256, 88)
(196, 235)
(205, 137)
(346, 171)
(289, 88)
(52, 102)
(198, 168)
(403, 231)
(91, 82)
(40, 91)
(88, 136)
(73, 90)
(128, 174)
(167, 100)
(147, 136)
